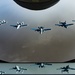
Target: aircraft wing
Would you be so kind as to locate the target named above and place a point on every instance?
(39, 63)
(12, 68)
(47, 63)
(34, 29)
(58, 69)
(13, 25)
(58, 24)
(47, 29)
(23, 68)
(69, 24)
(72, 68)
(23, 25)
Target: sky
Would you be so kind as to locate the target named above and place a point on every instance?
(57, 45)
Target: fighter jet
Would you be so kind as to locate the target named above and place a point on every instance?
(18, 25)
(2, 72)
(42, 65)
(64, 24)
(18, 69)
(2, 22)
(40, 29)
(65, 69)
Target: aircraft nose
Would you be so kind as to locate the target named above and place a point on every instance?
(36, 4)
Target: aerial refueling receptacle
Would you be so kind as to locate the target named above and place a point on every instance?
(36, 4)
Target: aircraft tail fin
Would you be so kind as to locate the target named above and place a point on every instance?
(22, 23)
(65, 22)
(4, 21)
(17, 22)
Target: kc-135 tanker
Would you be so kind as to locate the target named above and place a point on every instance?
(36, 4)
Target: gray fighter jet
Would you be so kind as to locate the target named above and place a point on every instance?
(64, 24)
(41, 29)
(42, 65)
(18, 69)
(65, 69)
(18, 25)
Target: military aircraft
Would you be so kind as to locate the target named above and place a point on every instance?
(2, 72)
(40, 29)
(18, 25)
(2, 22)
(18, 69)
(42, 65)
(64, 24)
(36, 4)
(66, 69)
